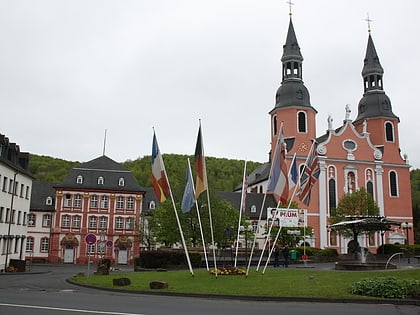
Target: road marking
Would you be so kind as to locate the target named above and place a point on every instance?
(66, 309)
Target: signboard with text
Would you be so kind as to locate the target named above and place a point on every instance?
(286, 217)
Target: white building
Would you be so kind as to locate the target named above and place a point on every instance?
(15, 195)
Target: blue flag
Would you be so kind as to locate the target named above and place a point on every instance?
(188, 199)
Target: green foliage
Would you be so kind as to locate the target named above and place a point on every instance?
(164, 226)
(222, 174)
(359, 202)
(386, 287)
(48, 169)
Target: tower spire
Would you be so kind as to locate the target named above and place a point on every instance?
(290, 3)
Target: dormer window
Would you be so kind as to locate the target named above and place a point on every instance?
(152, 205)
(121, 182)
(79, 179)
(100, 180)
(49, 201)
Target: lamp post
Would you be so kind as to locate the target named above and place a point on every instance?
(406, 226)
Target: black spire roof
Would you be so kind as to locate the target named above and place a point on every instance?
(292, 91)
(374, 103)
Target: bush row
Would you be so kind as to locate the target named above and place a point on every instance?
(166, 259)
(387, 287)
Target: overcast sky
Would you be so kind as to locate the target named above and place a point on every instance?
(71, 69)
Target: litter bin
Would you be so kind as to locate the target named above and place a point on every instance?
(293, 255)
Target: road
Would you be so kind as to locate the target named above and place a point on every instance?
(48, 293)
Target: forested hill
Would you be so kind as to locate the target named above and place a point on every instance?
(223, 174)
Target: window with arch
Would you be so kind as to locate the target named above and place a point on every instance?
(78, 201)
(103, 222)
(302, 122)
(49, 201)
(65, 221)
(79, 179)
(332, 196)
(31, 219)
(45, 244)
(76, 221)
(30, 244)
(104, 202)
(152, 205)
(94, 201)
(253, 209)
(93, 222)
(389, 131)
(393, 184)
(369, 182)
(120, 202)
(130, 203)
(67, 200)
(100, 180)
(119, 223)
(121, 182)
(129, 223)
(46, 220)
(274, 125)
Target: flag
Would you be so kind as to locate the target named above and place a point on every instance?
(244, 189)
(293, 173)
(278, 182)
(188, 199)
(159, 179)
(200, 166)
(309, 177)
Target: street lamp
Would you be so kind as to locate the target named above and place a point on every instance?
(406, 226)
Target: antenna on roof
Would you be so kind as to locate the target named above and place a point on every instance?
(103, 151)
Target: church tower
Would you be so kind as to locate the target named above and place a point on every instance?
(375, 114)
(293, 107)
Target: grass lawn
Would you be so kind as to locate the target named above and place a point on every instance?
(275, 282)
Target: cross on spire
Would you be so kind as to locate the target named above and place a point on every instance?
(290, 3)
(368, 20)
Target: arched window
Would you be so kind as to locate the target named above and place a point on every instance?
(79, 179)
(302, 122)
(121, 182)
(274, 125)
(389, 132)
(393, 185)
(369, 182)
(332, 196)
(100, 180)
(152, 205)
(49, 201)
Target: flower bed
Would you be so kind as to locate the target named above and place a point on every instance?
(229, 271)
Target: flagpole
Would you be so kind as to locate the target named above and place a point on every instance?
(176, 214)
(202, 181)
(240, 214)
(255, 236)
(277, 153)
(199, 221)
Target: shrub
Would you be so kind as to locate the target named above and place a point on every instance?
(165, 259)
(386, 287)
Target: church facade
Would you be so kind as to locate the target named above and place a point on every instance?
(364, 152)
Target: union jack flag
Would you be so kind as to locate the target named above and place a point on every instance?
(309, 176)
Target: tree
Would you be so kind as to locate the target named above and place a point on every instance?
(358, 203)
(164, 226)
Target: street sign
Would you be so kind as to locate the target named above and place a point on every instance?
(90, 239)
(109, 244)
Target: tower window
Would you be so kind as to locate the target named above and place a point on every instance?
(302, 122)
(275, 125)
(393, 187)
(389, 132)
(332, 197)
